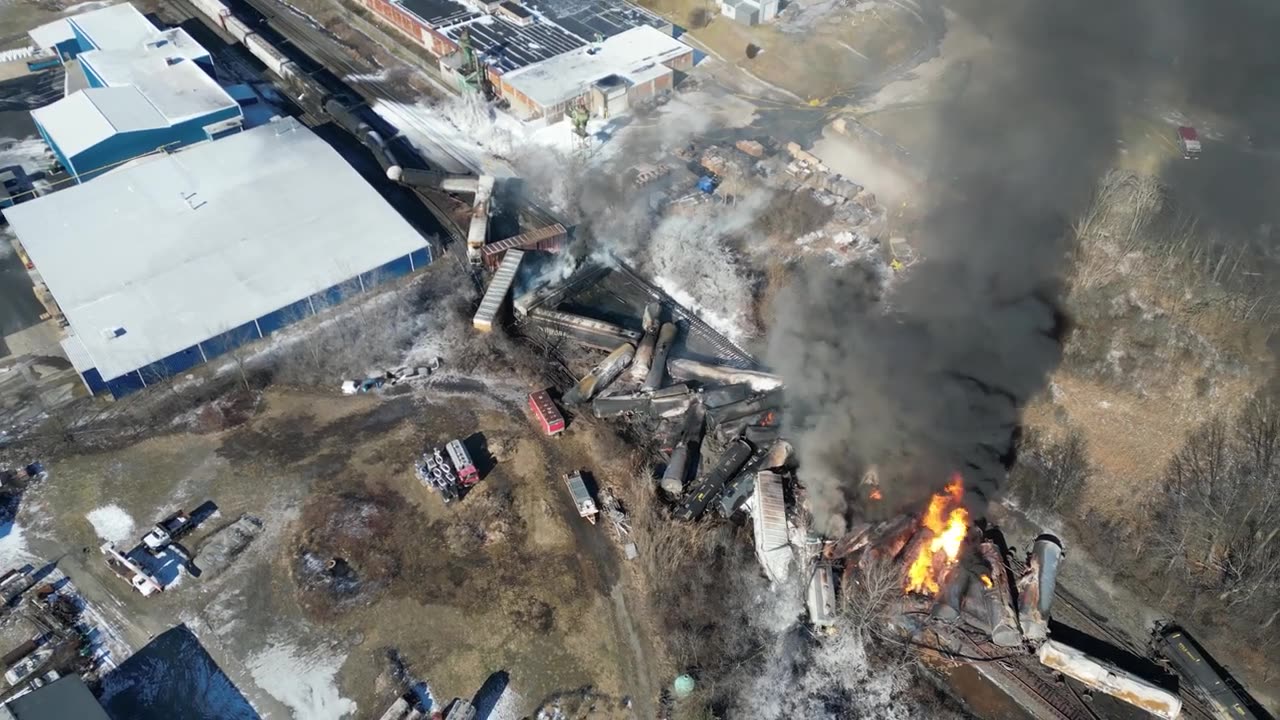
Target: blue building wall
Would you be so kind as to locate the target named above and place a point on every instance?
(125, 146)
(92, 76)
(272, 322)
(83, 43)
(57, 152)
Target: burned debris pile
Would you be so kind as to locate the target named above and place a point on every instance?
(955, 589)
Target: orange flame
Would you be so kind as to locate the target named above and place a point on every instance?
(947, 529)
(876, 494)
(986, 580)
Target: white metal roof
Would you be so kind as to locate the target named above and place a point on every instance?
(769, 518)
(50, 34)
(175, 85)
(115, 27)
(632, 54)
(178, 248)
(87, 117)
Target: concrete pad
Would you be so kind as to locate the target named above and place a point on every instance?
(39, 339)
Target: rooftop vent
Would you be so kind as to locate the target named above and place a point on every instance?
(113, 333)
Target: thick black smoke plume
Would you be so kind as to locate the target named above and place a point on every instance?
(932, 379)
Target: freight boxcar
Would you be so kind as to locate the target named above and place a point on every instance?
(1208, 680)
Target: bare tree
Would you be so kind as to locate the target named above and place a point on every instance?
(1051, 473)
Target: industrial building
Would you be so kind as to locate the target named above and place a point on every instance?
(176, 259)
(608, 77)
(505, 36)
(132, 89)
(749, 12)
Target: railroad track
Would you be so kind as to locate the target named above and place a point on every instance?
(1059, 700)
(724, 348)
(1194, 708)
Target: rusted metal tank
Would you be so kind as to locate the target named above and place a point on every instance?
(1108, 679)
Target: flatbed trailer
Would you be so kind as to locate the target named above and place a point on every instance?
(582, 499)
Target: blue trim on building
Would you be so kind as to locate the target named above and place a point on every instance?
(272, 322)
(420, 258)
(91, 75)
(230, 340)
(57, 152)
(93, 380)
(175, 364)
(125, 146)
(285, 316)
(125, 384)
(335, 295)
(82, 40)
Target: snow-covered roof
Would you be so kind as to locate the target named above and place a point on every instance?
(115, 27)
(769, 518)
(177, 87)
(177, 248)
(88, 117)
(50, 34)
(637, 55)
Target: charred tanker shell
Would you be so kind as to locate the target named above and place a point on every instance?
(722, 395)
(606, 372)
(588, 331)
(686, 369)
(677, 468)
(658, 371)
(1005, 631)
(615, 405)
(762, 434)
(644, 352)
(1035, 587)
(754, 406)
(671, 402)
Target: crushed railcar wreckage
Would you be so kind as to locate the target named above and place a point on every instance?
(957, 591)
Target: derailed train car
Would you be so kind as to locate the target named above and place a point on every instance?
(1207, 678)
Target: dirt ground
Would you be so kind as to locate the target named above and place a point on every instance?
(508, 579)
(821, 51)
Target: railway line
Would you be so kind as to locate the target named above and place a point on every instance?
(1193, 707)
(724, 348)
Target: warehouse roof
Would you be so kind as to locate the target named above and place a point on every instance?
(635, 55)
(507, 46)
(586, 18)
(438, 13)
(177, 87)
(178, 248)
(51, 34)
(87, 117)
(115, 27)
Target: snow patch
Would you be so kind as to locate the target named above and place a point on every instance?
(30, 153)
(111, 523)
(13, 545)
(86, 6)
(380, 76)
(306, 682)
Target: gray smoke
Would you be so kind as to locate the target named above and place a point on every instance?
(931, 379)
